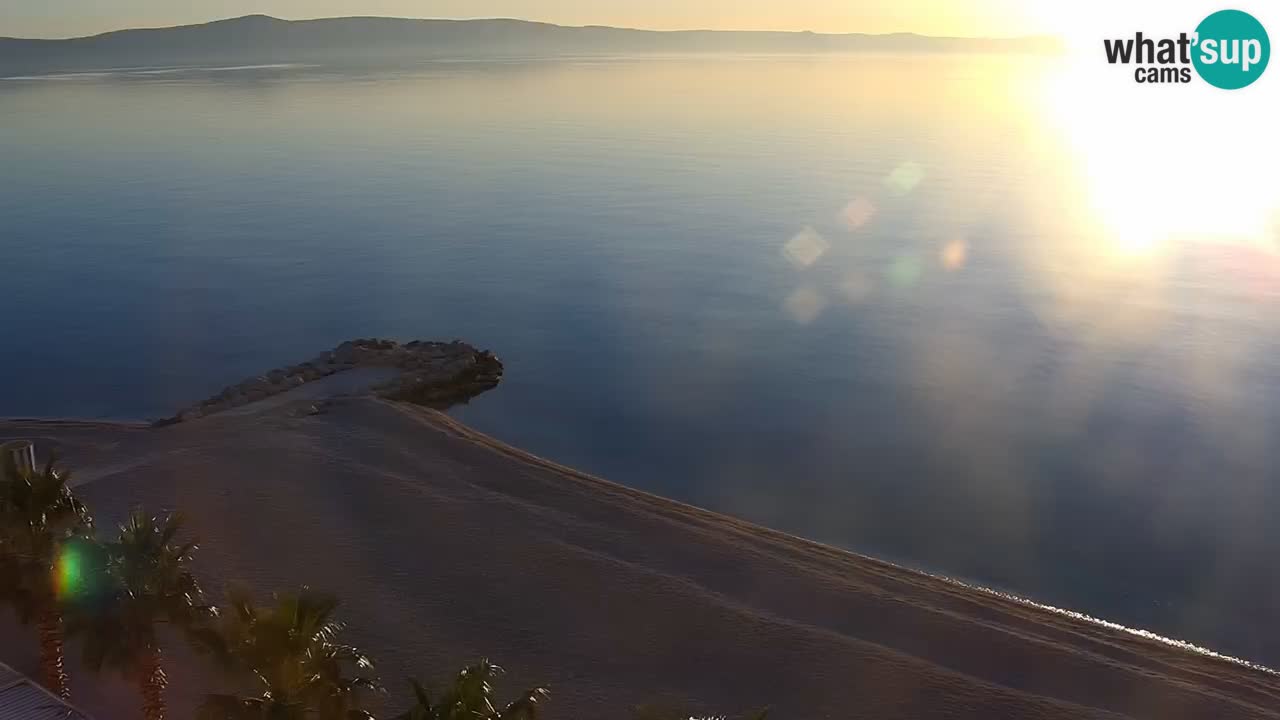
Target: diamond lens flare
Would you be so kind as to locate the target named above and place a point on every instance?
(905, 177)
(858, 212)
(805, 248)
(804, 305)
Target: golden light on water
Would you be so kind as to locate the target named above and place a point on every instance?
(1100, 198)
(1164, 163)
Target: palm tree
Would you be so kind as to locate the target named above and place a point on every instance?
(471, 698)
(39, 569)
(149, 584)
(290, 650)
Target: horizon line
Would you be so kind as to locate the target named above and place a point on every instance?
(264, 16)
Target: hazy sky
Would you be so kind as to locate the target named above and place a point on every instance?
(63, 18)
(984, 18)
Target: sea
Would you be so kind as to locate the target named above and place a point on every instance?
(965, 313)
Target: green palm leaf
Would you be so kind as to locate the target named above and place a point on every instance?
(289, 653)
(39, 517)
(149, 584)
(471, 697)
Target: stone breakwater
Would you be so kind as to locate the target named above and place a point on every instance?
(437, 374)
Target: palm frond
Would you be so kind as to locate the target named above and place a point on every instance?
(230, 707)
(149, 583)
(470, 697)
(526, 707)
(39, 515)
(290, 651)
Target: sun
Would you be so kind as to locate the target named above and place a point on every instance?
(1184, 162)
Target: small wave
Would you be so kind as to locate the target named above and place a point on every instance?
(1083, 617)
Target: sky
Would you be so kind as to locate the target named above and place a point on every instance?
(972, 18)
(69, 18)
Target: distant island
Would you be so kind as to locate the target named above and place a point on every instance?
(260, 39)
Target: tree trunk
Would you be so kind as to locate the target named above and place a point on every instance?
(52, 672)
(152, 682)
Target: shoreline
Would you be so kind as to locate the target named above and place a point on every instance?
(472, 435)
(440, 420)
(77, 422)
(386, 502)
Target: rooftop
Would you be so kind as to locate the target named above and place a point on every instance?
(22, 699)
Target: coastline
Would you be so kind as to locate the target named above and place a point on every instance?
(17, 425)
(88, 423)
(613, 595)
(803, 544)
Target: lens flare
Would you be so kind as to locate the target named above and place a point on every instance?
(905, 177)
(857, 287)
(903, 272)
(804, 305)
(69, 572)
(954, 255)
(805, 248)
(858, 212)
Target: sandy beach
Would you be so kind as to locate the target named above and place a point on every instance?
(447, 546)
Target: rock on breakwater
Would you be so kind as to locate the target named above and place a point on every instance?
(437, 374)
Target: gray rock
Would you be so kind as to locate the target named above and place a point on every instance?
(427, 367)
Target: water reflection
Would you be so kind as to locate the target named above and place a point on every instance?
(970, 314)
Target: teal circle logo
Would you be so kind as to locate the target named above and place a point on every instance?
(1232, 49)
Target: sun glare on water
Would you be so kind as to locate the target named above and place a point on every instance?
(1161, 164)
(1164, 164)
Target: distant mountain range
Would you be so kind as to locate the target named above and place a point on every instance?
(259, 39)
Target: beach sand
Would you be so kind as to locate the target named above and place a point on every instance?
(447, 546)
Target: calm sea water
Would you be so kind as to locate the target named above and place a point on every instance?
(879, 302)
